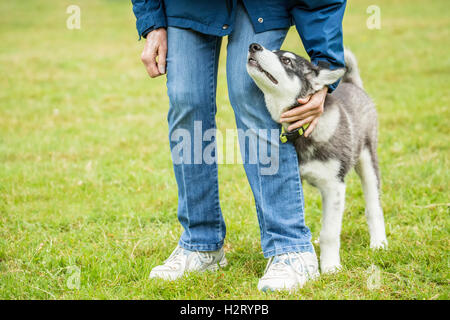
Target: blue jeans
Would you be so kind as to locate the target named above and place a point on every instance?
(192, 65)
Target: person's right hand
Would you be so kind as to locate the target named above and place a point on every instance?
(156, 46)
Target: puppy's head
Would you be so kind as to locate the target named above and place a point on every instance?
(284, 76)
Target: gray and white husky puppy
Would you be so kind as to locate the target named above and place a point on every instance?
(345, 137)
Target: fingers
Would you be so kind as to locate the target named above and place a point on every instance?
(311, 127)
(155, 46)
(313, 104)
(309, 112)
(162, 54)
(149, 60)
(299, 117)
(301, 123)
(303, 100)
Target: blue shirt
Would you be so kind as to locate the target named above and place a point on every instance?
(318, 22)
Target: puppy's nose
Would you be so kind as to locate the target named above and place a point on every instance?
(255, 47)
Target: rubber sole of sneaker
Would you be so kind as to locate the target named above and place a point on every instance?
(268, 289)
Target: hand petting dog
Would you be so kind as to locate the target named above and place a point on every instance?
(309, 112)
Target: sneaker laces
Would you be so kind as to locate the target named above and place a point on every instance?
(175, 259)
(278, 268)
(205, 257)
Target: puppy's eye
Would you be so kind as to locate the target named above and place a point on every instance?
(286, 60)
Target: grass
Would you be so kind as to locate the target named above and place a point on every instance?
(86, 178)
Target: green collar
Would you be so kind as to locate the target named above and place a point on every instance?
(291, 136)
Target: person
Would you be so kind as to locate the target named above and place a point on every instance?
(183, 41)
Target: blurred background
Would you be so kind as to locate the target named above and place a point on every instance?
(88, 198)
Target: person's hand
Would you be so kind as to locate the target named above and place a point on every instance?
(155, 46)
(309, 112)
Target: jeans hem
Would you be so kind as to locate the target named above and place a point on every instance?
(201, 247)
(295, 248)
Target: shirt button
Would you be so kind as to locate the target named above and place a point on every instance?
(260, 20)
(225, 27)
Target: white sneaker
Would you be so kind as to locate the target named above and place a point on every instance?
(289, 271)
(182, 261)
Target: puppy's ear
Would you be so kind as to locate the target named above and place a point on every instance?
(324, 77)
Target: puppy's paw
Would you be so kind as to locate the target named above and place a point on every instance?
(330, 268)
(379, 244)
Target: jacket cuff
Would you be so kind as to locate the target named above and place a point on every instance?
(326, 64)
(333, 86)
(148, 23)
(146, 32)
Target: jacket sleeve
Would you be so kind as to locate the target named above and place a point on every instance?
(319, 24)
(149, 15)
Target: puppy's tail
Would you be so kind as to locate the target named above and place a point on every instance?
(352, 73)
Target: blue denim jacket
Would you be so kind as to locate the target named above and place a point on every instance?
(318, 22)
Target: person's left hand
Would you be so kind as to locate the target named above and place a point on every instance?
(309, 112)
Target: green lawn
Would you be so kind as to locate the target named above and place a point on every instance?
(86, 180)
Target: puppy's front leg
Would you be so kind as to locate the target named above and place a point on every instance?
(333, 201)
